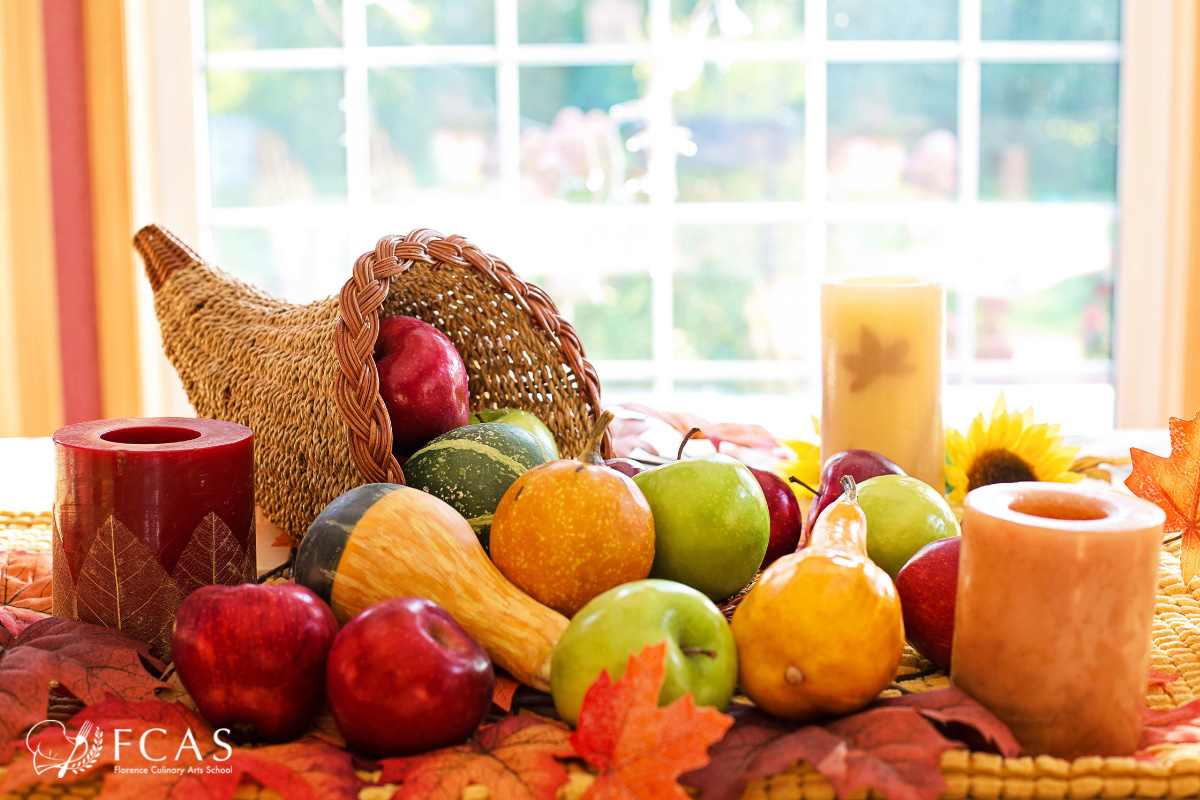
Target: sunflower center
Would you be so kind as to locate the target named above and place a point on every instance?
(998, 466)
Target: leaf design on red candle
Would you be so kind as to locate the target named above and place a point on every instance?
(875, 360)
(62, 583)
(122, 585)
(213, 556)
(249, 566)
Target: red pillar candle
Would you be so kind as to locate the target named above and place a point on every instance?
(145, 512)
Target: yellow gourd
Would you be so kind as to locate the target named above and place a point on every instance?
(381, 540)
(821, 632)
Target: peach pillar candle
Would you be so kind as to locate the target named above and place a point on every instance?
(882, 341)
(1056, 593)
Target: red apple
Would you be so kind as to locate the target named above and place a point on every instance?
(404, 677)
(254, 656)
(422, 380)
(927, 586)
(858, 464)
(626, 466)
(784, 508)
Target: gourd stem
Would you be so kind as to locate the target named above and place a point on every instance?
(687, 437)
(850, 487)
(590, 454)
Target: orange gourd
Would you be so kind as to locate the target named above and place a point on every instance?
(821, 632)
(568, 530)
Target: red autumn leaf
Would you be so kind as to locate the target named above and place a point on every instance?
(1161, 678)
(1173, 484)
(203, 766)
(892, 750)
(14, 619)
(515, 759)
(1177, 726)
(639, 748)
(954, 706)
(502, 694)
(25, 580)
(89, 661)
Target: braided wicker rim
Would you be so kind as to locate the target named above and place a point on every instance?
(362, 298)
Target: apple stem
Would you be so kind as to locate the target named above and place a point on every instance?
(698, 651)
(794, 479)
(850, 487)
(687, 437)
(590, 452)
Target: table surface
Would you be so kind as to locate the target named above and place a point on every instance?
(27, 475)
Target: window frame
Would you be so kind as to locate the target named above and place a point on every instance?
(172, 35)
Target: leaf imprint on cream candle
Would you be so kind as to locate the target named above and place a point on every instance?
(875, 360)
(122, 585)
(213, 556)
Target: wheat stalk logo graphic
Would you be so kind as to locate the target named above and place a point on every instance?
(83, 755)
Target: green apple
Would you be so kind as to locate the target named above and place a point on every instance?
(903, 515)
(701, 654)
(711, 523)
(522, 419)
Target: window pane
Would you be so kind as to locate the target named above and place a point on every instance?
(749, 19)
(736, 292)
(276, 137)
(433, 131)
(747, 124)
(580, 133)
(1061, 19)
(406, 22)
(1049, 132)
(239, 25)
(299, 262)
(592, 21)
(892, 131)
(1045, 288)
(887, 19)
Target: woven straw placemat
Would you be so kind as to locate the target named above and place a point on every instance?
(1175, 772)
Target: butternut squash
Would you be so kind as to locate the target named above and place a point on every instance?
(381, 540)
(821, 632)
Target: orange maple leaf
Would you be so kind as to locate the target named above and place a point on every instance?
(515, 759)
(639, 748)
(1173, 484)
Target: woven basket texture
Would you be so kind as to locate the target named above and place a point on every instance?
(1175, 772)
(303, 378)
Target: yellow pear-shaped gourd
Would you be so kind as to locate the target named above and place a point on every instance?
(821, 632)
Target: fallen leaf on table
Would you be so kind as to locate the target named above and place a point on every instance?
(1173, 484)
(14, 619)
(639, 748)
(175, 736)
(89, 661)
(1093, 467)
(515, 759)
(1177, 726)
(954, 706)
(25, 580)
(502, 694)
(1161, 679)
(754, 437)
(892, 750)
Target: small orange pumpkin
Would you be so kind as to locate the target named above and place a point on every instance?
(570, 529)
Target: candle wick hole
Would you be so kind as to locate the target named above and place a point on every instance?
(149, 434)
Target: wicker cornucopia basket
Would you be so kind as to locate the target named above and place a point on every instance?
(303, 378)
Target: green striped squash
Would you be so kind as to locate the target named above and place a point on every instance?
(472, 467)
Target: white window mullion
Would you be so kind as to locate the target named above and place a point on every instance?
(204, 194)
(508, 101)
(970, 22)
(357, 108)
(662, 186)
(816, 159)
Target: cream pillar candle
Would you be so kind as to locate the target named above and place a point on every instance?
(1056, 593)
(882, 341)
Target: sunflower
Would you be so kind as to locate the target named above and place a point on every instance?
(1009, 447)
(806, 466)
